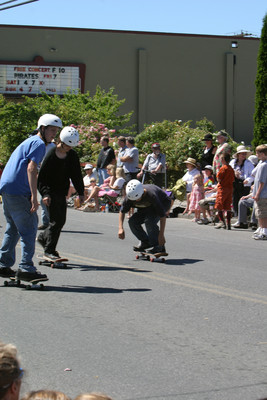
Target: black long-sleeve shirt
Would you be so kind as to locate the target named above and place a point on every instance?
(55, 174)
(105, 157)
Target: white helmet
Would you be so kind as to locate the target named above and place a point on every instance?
(49, 119)
(134, 189)
(69, 136)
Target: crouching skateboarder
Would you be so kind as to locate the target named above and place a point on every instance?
(152, 205)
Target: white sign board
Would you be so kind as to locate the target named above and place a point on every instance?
(34, 79)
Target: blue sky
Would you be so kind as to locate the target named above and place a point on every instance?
(212, 17)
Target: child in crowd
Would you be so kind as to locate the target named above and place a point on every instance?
(208, 178)
(260, 193)
(188, 177)
(225, 178)
(197, 194)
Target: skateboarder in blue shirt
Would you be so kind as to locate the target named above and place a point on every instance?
(18, 187)
(152, 205)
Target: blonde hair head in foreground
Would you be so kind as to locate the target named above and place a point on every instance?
(45, 395)
(92, 396)
(10, 372)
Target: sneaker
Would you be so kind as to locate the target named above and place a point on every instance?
(203, 221)
(30, 276)
(257, 232)
(260, 236)
(220, 225)
(52, 256)
(7, 272)
(158, 249)
(240, 225)
(253, 226)
(42, 227)
(41, 241)
(142, 246)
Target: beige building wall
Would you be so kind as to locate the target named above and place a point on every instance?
(161, 76)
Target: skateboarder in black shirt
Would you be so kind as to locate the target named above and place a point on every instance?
(59, 166)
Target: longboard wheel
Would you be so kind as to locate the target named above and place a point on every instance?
(40, 263)
(137, 256)
(163, 260)
(148, 258)
(151, 259)
(5, 283)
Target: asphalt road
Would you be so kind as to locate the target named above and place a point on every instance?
(192, 328)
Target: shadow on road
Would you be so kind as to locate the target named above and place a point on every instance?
(182, 261)
(85, 267)
(84, 232)
(92, 289)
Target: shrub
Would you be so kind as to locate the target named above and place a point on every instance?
(178, 142)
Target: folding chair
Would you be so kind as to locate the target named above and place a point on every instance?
(114, 203)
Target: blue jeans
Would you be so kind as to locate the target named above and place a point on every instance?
(243, 206)
(21, 223)
(102, 175)
(145, 216)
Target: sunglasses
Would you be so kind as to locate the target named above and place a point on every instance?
(21, 373)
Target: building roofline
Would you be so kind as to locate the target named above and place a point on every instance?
(239, 37)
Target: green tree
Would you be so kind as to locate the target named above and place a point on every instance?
(260, 115)
(18, 119)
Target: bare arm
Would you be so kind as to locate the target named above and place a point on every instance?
(32, 178)
(126, 158)
(162, 224)
(121, 233)
(257, 195)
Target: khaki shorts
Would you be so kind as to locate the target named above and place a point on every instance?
(261, 208)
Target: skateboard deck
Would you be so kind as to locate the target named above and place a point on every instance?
(151, 256)
(58, 263)
(33, 284)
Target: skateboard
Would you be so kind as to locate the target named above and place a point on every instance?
(58, 263)
(34, 284)
(151, 256)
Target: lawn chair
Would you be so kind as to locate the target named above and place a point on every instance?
(114, 203)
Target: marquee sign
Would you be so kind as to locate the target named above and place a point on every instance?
(34, 78)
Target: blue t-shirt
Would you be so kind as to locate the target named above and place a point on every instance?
(261, 177)
(14, 179)
(131, 166)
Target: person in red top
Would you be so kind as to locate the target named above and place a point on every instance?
(225, 178)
